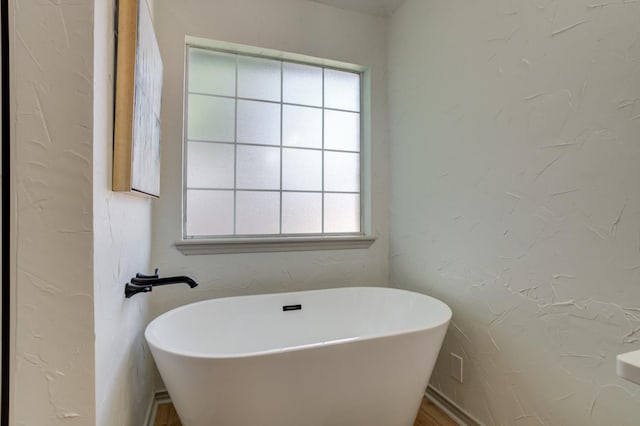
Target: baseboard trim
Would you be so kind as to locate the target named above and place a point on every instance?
(452, 409)
(159, 397)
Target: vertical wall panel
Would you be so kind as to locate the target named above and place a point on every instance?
(52, 74)
(122, 239)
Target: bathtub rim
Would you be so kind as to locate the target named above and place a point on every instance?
(244, 355)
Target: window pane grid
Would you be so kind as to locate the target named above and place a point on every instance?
(285, 191)
(322, 127)
(235, 156)
(302, 148)
(281, 139)
(267, 101)
(334, 224)
(185, 203)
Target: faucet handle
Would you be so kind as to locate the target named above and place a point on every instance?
(133, 289)
(155, 275)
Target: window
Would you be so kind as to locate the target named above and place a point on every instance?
(273, 148)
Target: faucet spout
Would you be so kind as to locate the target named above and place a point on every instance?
(145, 283)
(164, 281)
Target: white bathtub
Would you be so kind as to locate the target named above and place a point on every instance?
(348, 357)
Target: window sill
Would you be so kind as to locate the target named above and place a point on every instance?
(272, 245)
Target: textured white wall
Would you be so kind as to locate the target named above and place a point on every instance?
(515, 149)
(294, 26)
(52, 77)
(122, 240)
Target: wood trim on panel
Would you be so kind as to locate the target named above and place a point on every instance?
(125, 92)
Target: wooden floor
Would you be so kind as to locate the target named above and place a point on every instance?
(166, 415)
(428, 415)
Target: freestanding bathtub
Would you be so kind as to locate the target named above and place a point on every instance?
(358, 356)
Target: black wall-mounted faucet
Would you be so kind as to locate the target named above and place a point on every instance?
(145, 283)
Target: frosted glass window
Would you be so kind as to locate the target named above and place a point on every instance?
(259, 78)
(258, 122)
(302, 84)
(341, 90)
(341, 172)
(212, 72)
(301, 126)
(301, 213)
(271, 147)
(342, 130)
(211, 118)
(341, 213)
(301, 170)
(258, 167)
(258, 213)
(209, 212)
(211, 165)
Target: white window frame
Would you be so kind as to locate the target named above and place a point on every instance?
(200, 246)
